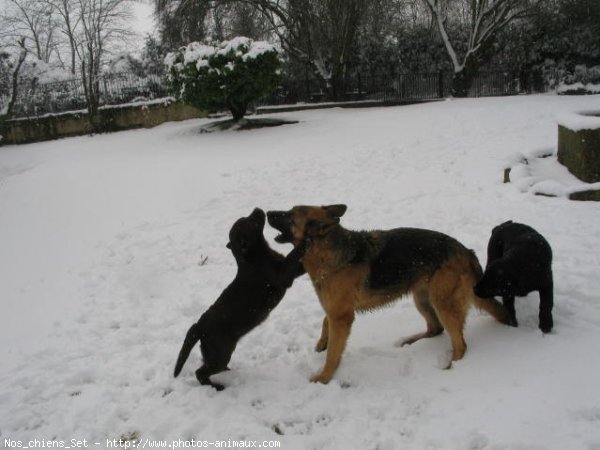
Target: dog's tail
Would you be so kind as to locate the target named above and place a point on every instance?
(191, 338)
(475, 267)
(489, 305)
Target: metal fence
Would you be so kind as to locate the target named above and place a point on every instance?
(121, 88)
(37, 99)
(406, 86)
(360, 87)
(403, 87)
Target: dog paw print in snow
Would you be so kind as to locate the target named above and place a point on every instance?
(477, 441)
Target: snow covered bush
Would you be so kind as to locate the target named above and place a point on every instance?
(10, 67)
(28, 85)
(230, 75)
(582, 80)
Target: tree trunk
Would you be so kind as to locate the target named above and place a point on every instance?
(338, 82)
(238, 110)
(91, 86)
(463, 79)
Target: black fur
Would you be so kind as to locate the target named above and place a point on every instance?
(410, 252)
(261, 281)
(519, 262)
(397, 258)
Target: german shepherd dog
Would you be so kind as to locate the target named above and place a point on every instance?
(356, 271)
(519, 262)
(262, 278)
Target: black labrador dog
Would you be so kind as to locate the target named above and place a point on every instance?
(262, 278)
(519, 262)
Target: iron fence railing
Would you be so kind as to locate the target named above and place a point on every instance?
(121, 88)
(37, 99)
(401, 87)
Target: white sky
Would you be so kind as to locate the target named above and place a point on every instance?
(144, 22)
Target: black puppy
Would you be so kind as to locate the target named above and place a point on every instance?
(262, 278)
(519, 262)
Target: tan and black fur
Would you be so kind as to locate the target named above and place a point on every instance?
(355, 271)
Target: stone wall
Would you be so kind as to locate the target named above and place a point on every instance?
(579, 146)
(21, 131)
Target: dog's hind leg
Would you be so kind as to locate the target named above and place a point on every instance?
(322, 342)
(434, 327)
(509, 304)
(216, 353)
(546, 304)
(454, 322)
(203, 375)
(450, 292)
(339, 330)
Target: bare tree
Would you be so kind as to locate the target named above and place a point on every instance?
(484, 19)
(33, 20)
(67, 20)
(88, 28)
(102, 22)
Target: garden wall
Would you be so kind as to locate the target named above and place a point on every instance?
(579, 145)
(125, 117)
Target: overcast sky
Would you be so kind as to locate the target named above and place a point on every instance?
(144, 23)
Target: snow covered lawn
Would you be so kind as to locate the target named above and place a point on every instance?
(111, 246)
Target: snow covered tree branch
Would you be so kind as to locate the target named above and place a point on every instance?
(33, 20)
(320, 33)
(101, 22)
(486, 18)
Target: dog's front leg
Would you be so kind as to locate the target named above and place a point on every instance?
(292, 266)
(509, 305)
(339, 330)
(546, 303)
(322, 342)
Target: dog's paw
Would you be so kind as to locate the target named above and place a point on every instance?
(400, 343)
(321, 346)
(405, 341)
(546, 324)
(320, 378)
(444, 360)
(218, 386)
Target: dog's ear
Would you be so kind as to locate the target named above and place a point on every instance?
(320, 227)
(335, 210)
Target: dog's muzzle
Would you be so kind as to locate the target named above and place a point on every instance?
(282, 222)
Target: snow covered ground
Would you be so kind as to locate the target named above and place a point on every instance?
(103, 240)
